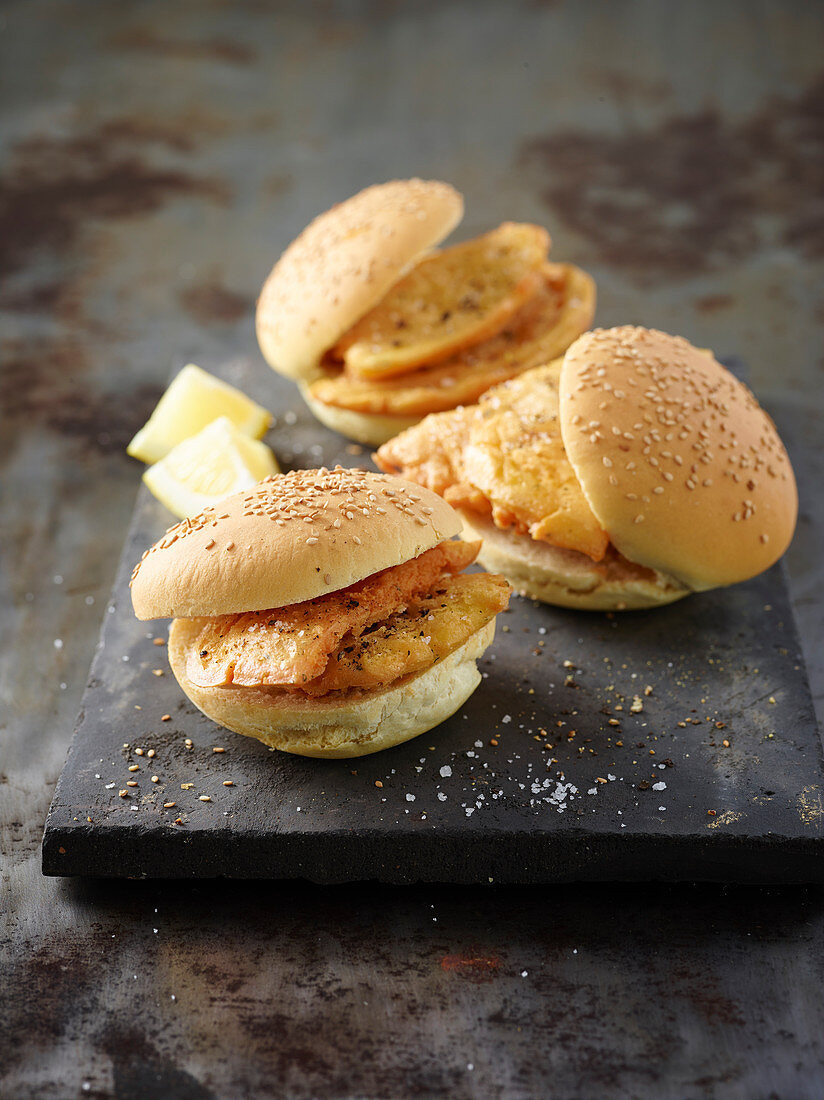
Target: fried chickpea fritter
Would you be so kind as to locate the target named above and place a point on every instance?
(412, 641)
(506, 456)
(291, 645)
(558, 312)
(448, 301)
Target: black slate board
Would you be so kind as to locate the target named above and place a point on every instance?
(455, 806)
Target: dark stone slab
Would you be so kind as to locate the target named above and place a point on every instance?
(548, 773)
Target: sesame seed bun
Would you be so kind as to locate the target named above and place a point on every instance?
(681, 466)
(293, 537)
(373, 429)
(565, 577)
(351, 724)
(343, 264)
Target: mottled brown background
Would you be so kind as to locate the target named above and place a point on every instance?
(155, 159)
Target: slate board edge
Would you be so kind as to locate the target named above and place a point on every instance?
(492, 857)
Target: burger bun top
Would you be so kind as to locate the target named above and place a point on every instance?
(343, 264)
(291, 538)
(681, 466)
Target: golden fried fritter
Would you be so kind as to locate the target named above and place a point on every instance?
(290, 645)
(430, 453)
(412, 641)
(507, 451)
(560, 310)
(449, 300)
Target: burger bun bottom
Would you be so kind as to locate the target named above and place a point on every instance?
(565, 577)
(351, 724)
(373, 429)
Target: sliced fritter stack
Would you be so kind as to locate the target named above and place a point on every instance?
(504, 458)
(415, 331)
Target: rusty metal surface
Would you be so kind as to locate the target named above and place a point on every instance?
(154, 160)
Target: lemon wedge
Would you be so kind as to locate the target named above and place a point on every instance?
(194, 399)
(200, 471)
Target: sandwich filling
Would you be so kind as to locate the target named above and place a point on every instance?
(426, 353)
(504, 458)
(448, 301)
(393, 624)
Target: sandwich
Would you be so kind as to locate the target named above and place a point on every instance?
(632, 471)
(323, 612)
(379, 329)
